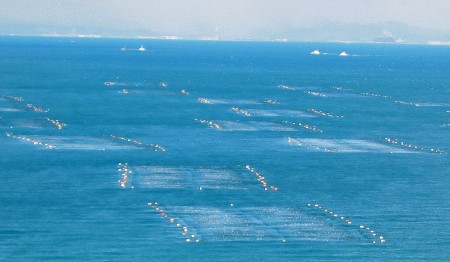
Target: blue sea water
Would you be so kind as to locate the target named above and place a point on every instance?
(223, 151)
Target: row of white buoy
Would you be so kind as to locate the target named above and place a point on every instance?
(210, 124)
(407, 103)
(374, 95)
(340, 88)
(37, 109)
(286, 87)
(187, 233)
(205, 101)
(316, 93)
(364, 93)
(109, 83)
(373, 236)
(29, 140)
(56, 122)
(321, 113)
(155, 147)
(305, 126)
(31, 106)
(271, 101)
(13, 98)
(124, 171)
(261, 179)
(413, 147)
(241, 111)
(313, 147)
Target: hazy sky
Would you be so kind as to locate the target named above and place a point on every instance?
(239, 18)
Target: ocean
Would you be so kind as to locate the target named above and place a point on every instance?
(223, 151)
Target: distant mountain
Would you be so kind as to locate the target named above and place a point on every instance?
(67, 30)
(389, 32)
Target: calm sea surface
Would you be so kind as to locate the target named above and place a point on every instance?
(223, 151)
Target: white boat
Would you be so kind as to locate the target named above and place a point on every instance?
(343, 54)
(142, 48)
(123, 49)
(315, 52)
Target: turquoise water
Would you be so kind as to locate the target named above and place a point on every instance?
(203, 128)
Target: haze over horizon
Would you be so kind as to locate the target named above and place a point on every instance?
(307, 20)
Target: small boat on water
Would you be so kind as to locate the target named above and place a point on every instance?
(142, 48)
(343, 54)
(315, 52)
